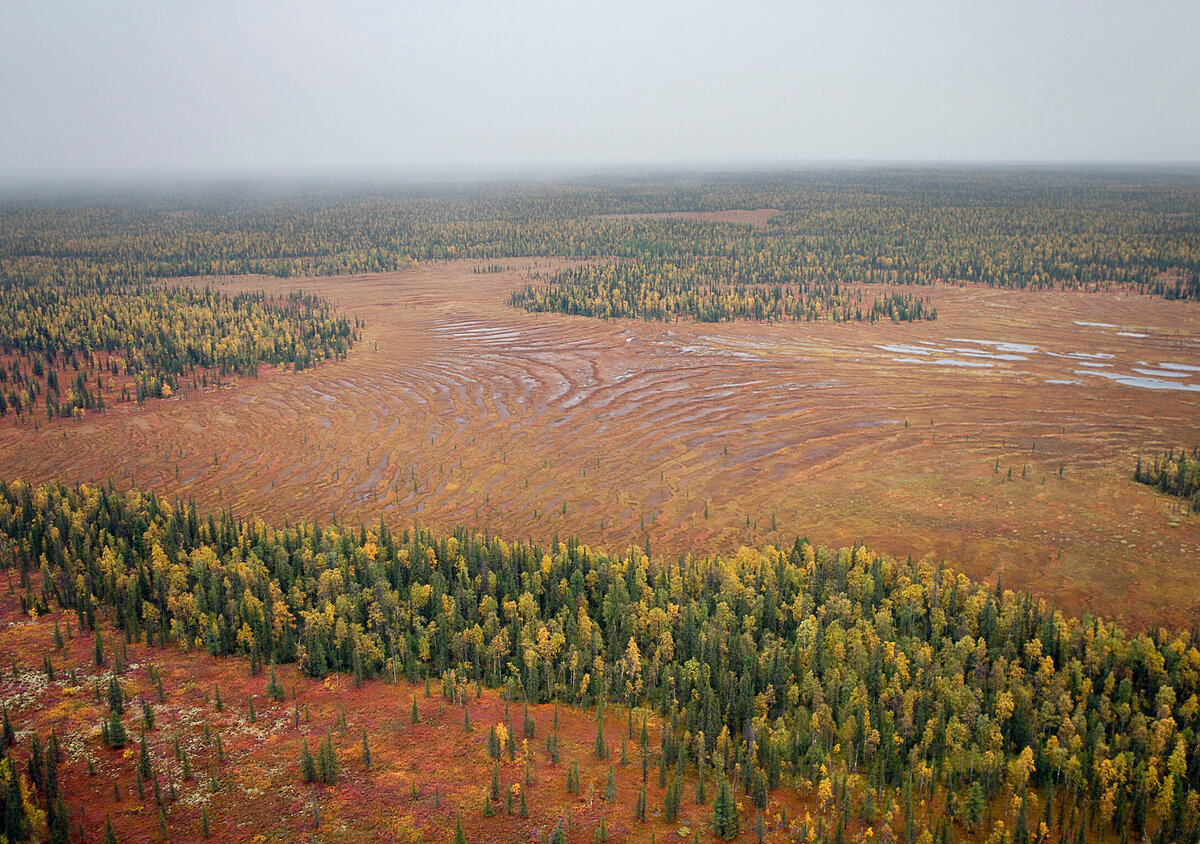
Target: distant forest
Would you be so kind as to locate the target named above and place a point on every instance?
(1019, 228)
(84, 313)
(1175, 473)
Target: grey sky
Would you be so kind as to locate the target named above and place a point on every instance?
(125, 87)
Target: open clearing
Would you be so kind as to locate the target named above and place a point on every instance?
(456, 409)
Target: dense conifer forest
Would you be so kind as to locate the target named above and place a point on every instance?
(709, 290)
(889, 689)
(70, 348)
(1071, 229)
(1023, 228)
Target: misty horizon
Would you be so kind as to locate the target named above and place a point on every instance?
(471, 90)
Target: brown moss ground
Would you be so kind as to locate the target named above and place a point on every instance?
(455, 409)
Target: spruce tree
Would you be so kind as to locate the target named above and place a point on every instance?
(116, 697)
(9, 736)
(143, 763)
(274, 687)
(327, 762)
(308, 768)
(601, 746)
(116, 734)
(724, 813)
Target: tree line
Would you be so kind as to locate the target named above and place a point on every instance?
(899, 693)
(1175, 473)
(80, 347)
(1021, 228)
(711, 290)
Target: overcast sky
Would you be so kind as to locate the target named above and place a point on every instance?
(112, 88)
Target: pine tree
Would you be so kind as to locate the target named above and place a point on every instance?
(308, 768)
(671, 801)
(143, 763)
(724, 813)
(116, 734)
(274, 687)
(116, 697)
(459, 836)
(415, 715)
(974, 805)
(559, 836)
(58, 821)
(493, 743)
(1020, 834)
(601, 746)
(366, 751)
(16, 823)
(9, 735)
(327, 762)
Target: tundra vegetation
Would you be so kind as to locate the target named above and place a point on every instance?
(170, 672)
(898, 697)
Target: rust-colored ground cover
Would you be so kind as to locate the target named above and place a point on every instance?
(259, 793)
(456, 409)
